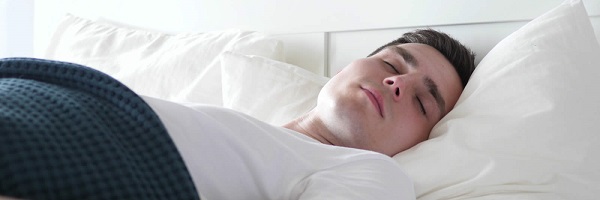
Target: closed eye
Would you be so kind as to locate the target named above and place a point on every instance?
(421, 106)
(392, 66)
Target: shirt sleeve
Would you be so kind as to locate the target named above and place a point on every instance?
(362, 179)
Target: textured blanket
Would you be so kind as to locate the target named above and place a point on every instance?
(71, 132)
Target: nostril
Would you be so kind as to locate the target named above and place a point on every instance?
(397, 91)
(389, 82)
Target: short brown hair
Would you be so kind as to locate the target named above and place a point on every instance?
(461, 57)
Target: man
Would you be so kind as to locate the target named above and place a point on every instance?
(378, 106)
(72, 144)
(390, 101)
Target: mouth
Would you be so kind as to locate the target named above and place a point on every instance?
(375, 99)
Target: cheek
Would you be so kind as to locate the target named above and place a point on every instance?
(420, 127)
(421, 134)
(414, 130)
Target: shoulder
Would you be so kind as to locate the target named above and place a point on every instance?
(373, 164)
(368, 175)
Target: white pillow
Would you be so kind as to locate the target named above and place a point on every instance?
(181, 67)
(526, 125)
(269, 90)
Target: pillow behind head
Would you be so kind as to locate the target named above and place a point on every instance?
(525, 127)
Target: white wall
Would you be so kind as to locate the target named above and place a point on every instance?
(16, 28)
(20, 29)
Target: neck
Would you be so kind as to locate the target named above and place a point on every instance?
(311, 126)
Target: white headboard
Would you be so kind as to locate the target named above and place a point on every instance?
(322, 36)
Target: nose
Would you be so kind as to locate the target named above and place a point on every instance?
(399, 85)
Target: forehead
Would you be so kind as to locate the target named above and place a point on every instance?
(421, 55)
(430, 62)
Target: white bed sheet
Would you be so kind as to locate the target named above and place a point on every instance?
(524, 127)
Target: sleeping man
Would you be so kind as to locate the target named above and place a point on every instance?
(69, 132)
(373, 109)
(390, 101)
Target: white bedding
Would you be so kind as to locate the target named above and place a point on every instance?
(183, 67)
(524, 128)
(269, 90)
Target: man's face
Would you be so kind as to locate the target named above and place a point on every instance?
(390, 101)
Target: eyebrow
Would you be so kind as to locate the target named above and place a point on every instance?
(433, 90)
(407, 56)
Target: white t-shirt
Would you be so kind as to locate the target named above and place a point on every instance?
(234, 156)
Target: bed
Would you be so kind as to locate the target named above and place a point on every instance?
(524, 127)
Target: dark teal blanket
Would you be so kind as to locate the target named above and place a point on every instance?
(71, 132)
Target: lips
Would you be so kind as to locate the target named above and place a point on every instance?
(376, 100)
